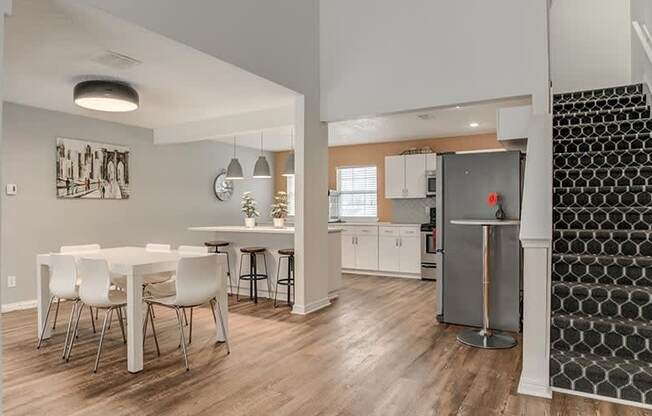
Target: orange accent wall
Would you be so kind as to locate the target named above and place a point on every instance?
(374, 154)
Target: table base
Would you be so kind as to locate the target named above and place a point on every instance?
(475, 338)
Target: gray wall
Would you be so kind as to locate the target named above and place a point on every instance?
(171, 189)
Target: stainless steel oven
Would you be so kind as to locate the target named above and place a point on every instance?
(431, 183)
(428, 254)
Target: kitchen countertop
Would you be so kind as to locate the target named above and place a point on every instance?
(261, 229)
(382, 224)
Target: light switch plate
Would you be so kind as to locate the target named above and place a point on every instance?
(11, 281)
(12, 189)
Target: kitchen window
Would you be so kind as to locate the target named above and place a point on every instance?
(290, 191)
(357, 186)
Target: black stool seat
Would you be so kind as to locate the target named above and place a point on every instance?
(286, 252)
(253, 249)
(216, 243)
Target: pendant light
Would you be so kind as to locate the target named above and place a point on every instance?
(288, 169)
(234, 171)
(261, 169)
(110, 96)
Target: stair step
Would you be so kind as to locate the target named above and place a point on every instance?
(603, 159)
(620, 378)
(603, 143)
(602, 129)
(598, 218)
(602, 116)
(609, 337)
(616, 270)
(630, 302)
(593, 104)
(603, 196)
(603, 242)
(595, 94)
(619, 176)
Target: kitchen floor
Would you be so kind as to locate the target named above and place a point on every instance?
(376, 351)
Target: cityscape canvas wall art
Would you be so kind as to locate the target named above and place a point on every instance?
(88, 170)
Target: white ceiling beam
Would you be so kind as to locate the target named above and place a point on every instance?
(227, 126)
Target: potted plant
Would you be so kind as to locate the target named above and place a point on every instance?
(494, 199)
(280, 209)
(248, 205)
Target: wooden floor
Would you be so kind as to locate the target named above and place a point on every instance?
(376, 351)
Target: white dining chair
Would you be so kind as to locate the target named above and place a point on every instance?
(64, 285)
(197, 282)
(192, 250)
(95, 291)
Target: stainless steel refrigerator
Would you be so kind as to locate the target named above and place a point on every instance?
(463, 182)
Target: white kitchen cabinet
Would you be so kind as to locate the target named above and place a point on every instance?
(394, 177)
(405, 176)
(410, 254)
(366, 252)
(348, 251)
(388, 258)
(415, 176)
(431, 162)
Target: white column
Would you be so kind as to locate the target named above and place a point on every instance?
(311, 219)
(535, 372)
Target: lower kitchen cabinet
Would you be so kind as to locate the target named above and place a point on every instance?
(392, 250)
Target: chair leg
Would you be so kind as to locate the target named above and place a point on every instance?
(72, 334)
(185, 317)
(122, 325)
(190, 329)
(228, 269)
(151, 317)
(96, 313)
(216, 305)
(269, 277)
(145, 322)
(92, 320)
(56, 314)
(237, 291)
(183, 338)
(45, 322)
(72, 315)
(278, 276)
(107, 318)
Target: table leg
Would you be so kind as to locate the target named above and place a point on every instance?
(485, 338)
(134, 323)
(43, 298)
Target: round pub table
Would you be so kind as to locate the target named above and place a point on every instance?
(485, 337)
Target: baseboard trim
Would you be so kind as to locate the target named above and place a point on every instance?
(603, 398)
(19, 306)
(311, 307)
(530, 388)
(382, 274)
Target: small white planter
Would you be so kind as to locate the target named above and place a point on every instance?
(279, 222)
(250, 222)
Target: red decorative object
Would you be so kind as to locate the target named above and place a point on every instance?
(492, 199)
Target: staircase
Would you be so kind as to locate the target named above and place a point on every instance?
(601, 324)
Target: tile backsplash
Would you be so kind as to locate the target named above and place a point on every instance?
(412, 210)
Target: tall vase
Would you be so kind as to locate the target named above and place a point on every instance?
(250, 222)
(500, 214)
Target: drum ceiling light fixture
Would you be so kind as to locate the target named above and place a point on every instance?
(110, 96)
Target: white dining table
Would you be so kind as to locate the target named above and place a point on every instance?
(134, 263)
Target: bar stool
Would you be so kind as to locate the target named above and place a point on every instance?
(215, 245)
(285, 253)
(253, 276)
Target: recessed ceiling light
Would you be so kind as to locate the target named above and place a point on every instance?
(108, 96)
(457, 107)
(473, 124)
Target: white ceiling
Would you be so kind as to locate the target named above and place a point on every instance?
(53, 44)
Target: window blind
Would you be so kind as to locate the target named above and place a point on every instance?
(358, 191)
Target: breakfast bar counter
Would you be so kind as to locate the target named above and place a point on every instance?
(273, 239)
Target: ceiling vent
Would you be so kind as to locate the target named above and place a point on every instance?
(425, 116)
(117, 60)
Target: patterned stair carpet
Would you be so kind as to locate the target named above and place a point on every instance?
(601, 324)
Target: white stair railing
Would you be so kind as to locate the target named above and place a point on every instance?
(645, 39)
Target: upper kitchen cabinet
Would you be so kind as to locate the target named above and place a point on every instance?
(405, 175)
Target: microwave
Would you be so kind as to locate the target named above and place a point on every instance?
(431, 183)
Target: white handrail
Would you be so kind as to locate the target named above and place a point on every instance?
(644, 37)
